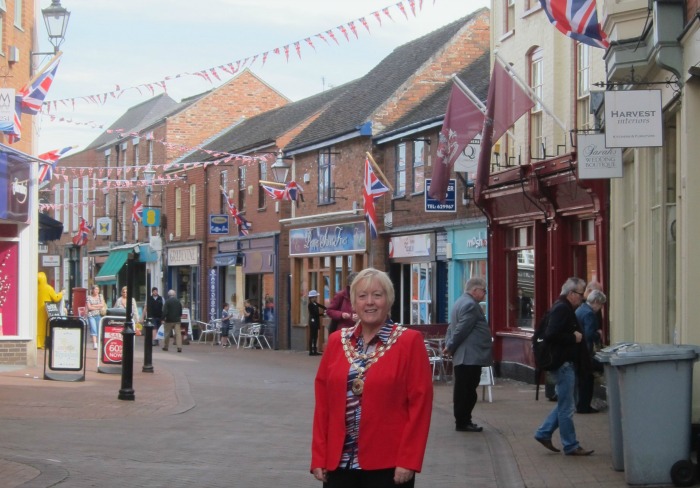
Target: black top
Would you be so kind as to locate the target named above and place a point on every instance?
(315, 314)
(172, 310)
(560, 333)
(154, 307)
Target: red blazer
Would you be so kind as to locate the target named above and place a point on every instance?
(396, 406)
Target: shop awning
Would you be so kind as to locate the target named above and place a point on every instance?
(49, 229)
(115, 261)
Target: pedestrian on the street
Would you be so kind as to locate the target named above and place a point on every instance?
(588, 317)
(225, 326)
(172, 314)
(94, 304)
(374, 396)
(565, 337)
(248, 312)
(120, 302)
(468, 341)
(154, 311)
(314, 321)
(340, 309)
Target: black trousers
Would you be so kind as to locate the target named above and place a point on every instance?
(466, 378)
(360, 478)
(313, 338)
(586, 382)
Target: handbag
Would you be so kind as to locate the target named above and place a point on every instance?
(103, 310)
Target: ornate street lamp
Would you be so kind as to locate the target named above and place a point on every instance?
(280, 168)
(56, 19)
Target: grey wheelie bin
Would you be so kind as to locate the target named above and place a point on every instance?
(613, 398)
(655, 383)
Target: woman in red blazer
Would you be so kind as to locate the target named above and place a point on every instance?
(374, 396)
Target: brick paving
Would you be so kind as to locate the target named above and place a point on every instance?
(213, 417)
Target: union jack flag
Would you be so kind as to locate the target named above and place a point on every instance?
(238, 219)
(136, 210)
(33, 94)
(84, 231)
(577, 19)
(372, 190)
(16, 133)
(274, 193)
(293, 191)
(46, 170)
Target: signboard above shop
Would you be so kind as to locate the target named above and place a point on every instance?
(597, 161)
(633, 118)
(328, 239)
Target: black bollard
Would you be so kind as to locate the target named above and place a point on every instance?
(127, 391)
(147, 347)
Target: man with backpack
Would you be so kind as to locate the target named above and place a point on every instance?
(564, 338)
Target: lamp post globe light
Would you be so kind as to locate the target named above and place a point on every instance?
(56, 20)
(280, 168)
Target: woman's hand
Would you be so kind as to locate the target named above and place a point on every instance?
(320, 474)
(402, 475)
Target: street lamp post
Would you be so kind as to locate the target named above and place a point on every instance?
(280, 168)
(127, 391)
(148, 175)
(56, 21)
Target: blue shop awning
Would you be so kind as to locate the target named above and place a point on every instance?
(109, 271)
(49, 229)
(146, 254)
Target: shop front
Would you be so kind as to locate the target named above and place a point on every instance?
(246, 269)
(545, 226)
(183, 276)
(18, 257)
(419, 273)
(321, 258)
(468, 254)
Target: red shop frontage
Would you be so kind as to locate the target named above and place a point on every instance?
(545, 225)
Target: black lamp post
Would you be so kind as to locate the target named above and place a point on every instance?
(127, 391)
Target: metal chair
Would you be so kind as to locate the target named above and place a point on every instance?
(212, 329)
(437, 362)
(252, 334)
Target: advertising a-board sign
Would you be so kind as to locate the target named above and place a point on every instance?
(112, 342)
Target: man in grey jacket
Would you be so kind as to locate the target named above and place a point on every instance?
(469, 342)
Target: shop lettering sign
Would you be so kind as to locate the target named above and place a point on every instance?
(328, 239)
(597, 161)
(183, 256)
(633, 118)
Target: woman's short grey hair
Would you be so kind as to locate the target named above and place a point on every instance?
(596, 296)
(372, 275)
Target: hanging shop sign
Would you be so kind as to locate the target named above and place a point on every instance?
(104, 226)
(633, 118)
(151, 217)
(467, 159)
(7, 109)
(597, 161)
(328, 239)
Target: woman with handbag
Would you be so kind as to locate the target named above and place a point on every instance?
(95, 303)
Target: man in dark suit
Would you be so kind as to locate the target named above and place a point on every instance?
(469, 342)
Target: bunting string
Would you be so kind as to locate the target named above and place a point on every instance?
(219, 73)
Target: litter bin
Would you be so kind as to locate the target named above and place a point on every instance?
(655, 383)
(613, 398)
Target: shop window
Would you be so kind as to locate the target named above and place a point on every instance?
(421, 283)
(520, 277)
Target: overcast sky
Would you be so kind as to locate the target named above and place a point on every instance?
(132, 42)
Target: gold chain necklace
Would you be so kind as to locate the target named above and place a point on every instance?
(358, 384)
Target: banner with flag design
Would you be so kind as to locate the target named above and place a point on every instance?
(84, 231)
(507, 102)
(238, 219)
(463, 121)
(136, 210)
(372, 190)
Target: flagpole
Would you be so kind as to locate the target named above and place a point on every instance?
(264, 182)
(376, 168)
(45, 68)
(533, 96)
